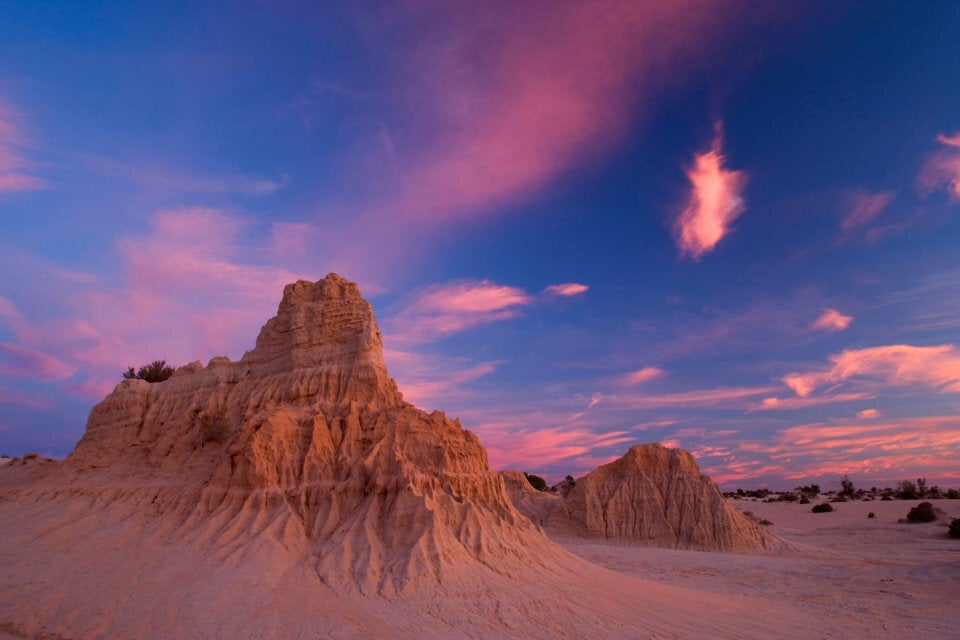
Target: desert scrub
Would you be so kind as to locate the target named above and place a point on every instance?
(536, 482)
(955, 528)
(156, 371)
(923, 512)
(822, 508)
(213, 426)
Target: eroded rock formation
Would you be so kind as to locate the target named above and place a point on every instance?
(653, 496)
(308, 435)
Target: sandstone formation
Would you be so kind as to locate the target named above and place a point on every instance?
(652, 496)
(294, 494)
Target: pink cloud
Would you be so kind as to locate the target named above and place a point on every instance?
(451, 307)
(731, 397)
(510, 446)
(15, 168)
(643, 375)
(884, 451)
(434, 381)
(518, 96)
(942, 169)
(567, 290)
(447, 308)
(774, 403)
(831, 320)
(869, 414)
(896, 365)
(862, 208)
(23, 362)
(189, 289)
(714, 203)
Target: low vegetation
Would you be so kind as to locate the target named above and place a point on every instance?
(536, 482)
(905, 490)
(156, 371)
(822, 508)
(212, 426)
(923, 512)
(955, 528)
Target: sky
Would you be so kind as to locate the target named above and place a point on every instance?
(731, 227)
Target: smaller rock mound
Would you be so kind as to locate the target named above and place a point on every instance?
(653, 496)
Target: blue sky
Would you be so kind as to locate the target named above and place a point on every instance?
(727, 226)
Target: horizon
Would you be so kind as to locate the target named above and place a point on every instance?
(730, 227)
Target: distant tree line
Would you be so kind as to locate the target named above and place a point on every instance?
(905, 490)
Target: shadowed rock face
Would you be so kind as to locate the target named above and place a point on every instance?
(317, 441)
(653, 496)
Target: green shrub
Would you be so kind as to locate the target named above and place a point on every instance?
(536, 482)
(923, 512)
(822, 508)
(156, 371)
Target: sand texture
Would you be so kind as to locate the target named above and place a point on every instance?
(294, 494)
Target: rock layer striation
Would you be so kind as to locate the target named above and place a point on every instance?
(653, 496)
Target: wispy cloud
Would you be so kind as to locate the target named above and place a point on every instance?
(510, 446)
(643, 375)
(190, 271)
(158, 180)
(715, 201)
(16, 169)
(896, 365)
(942, 169)
(24, 362)
(447, 308)
(567, 290)
(721, 397)
(831, 320)
(805, 402)
(521, 95)
(862, 207)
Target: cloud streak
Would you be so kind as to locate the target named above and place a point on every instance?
(831, 320)
(862, 208)
(16, 170)
(942, 169)
(895, 365)
(714, 202)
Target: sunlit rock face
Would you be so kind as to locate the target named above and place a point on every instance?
(652, 496)
(307, 440)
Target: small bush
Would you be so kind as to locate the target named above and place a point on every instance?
(156, 371)
(765, 523)
(213, 426)
(955, 528)
(923, 512)
(953, 494)
(871, 515)
(804, 500)
(536, 482)
(822, 508)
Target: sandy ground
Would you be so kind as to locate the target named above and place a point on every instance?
(846, 576)
(870, 577)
